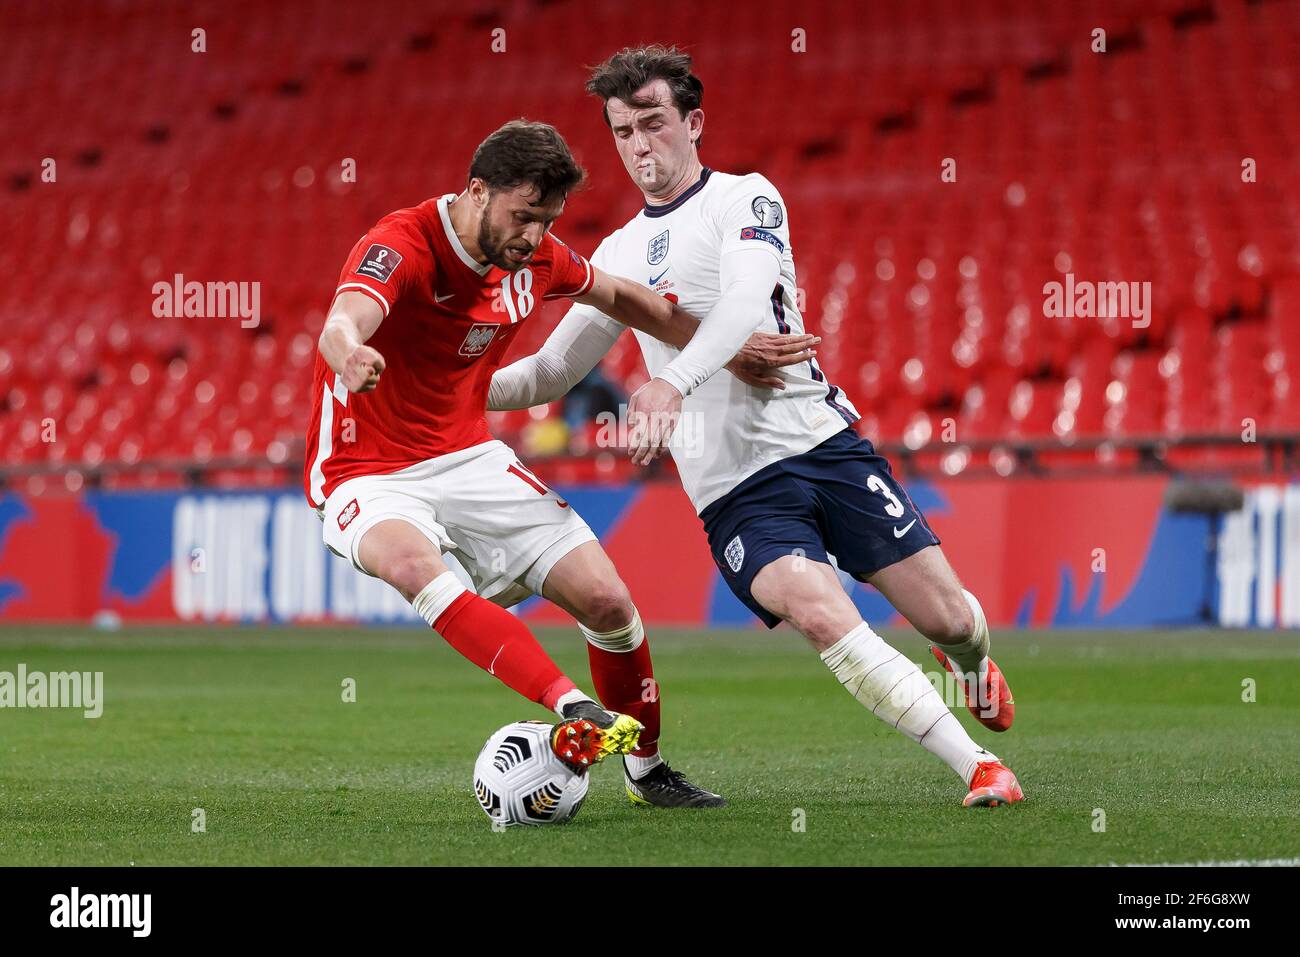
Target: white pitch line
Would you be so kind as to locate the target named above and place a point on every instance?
(1261, 862)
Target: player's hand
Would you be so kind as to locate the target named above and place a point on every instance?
(362, 368)
(765, 352)
(652, 414)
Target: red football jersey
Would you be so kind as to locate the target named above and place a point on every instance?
(447, 324)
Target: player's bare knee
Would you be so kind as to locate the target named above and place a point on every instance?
(821, 619)
(950, 624)
(607, 605)
(819, 626)
(409, 571)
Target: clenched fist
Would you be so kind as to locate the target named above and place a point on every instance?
(362, 368)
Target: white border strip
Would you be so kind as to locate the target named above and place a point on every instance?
(1258, 862)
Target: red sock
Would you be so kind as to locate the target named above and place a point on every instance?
(502, 645)
(624, 680)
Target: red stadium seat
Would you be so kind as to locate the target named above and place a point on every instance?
(929, 294)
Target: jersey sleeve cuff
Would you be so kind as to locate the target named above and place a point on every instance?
(591, 277)
(374, 294)
(675, 379)
(580, 291)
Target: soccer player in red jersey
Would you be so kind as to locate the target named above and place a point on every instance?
(401, 468)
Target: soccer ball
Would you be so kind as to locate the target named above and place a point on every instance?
(519, 780)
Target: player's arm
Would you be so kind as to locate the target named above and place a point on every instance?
(353, 319)
(747, 279)
(582, 339)
(755, 361)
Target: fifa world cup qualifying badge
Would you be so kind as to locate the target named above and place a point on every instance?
(379, 262)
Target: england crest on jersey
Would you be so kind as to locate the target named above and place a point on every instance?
(657, 249)
(735, 554)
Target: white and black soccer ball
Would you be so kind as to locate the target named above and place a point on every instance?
(519, 780)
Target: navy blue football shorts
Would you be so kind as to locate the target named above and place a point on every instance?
(839, 498)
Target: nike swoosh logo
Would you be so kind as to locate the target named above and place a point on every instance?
(494, 661)
(900, 534)
(438, 298)
(655, 279)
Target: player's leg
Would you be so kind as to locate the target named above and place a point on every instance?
(401, 554)
(520, 537)
(876, 532)
(586, 585)
(768, 539)
(808, 595)
(508, 530)
(925, 590)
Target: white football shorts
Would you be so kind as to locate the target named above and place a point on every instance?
(504, 526)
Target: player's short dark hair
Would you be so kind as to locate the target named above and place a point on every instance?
(633, 67)
(524, 152)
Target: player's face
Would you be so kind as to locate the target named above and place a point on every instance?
(513, 224)
(654, 139)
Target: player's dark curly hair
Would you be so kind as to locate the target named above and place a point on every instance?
(525, 152)
(633, 67)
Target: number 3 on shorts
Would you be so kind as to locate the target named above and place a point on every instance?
(895, 508)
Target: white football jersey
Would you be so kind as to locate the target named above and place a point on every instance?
(729, 430)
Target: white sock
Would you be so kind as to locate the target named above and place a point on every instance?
(437, 596)
(972, 655)
(620, 640)
(638, 768)
(568, 698)
(892, 687)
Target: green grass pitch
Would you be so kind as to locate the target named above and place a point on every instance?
(249, 725)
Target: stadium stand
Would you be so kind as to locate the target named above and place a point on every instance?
(226, 166)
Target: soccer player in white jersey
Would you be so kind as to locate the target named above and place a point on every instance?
(779, 476)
